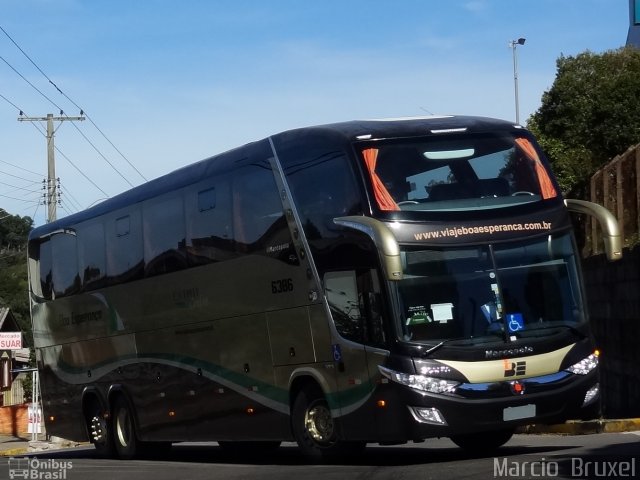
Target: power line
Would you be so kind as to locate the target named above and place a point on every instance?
(67, 206)
(52, 181)
(30, 84)
(9, 101)
(35, 125)
(81, 172)
(72, 199)
(18, 199)
(20, 188)
(100, 153)
(16, 176)
(35, 212)
(21, 168)
(61, 113)
(82, 111)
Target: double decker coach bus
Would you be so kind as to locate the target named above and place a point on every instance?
(359, 282)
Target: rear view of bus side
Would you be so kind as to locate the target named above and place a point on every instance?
(353, 283)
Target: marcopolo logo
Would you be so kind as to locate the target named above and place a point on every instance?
(39, 468)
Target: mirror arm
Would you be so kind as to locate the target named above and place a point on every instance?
(383, 238)
(612, 235)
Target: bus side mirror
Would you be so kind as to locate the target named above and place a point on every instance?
(383, 238)
(610, 229)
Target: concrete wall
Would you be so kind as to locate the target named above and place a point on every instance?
(613, 294)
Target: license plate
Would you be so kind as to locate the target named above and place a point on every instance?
(515, 413)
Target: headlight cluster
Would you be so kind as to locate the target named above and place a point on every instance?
(585, 365)
(420, 382)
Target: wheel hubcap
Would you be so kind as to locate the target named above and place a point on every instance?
(98, 428)
(123, 427)
(319, 423)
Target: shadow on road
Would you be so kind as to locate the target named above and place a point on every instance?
(288, 455)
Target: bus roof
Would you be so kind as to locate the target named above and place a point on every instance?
(344, 131)
(408, 127)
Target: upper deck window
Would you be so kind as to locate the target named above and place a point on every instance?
(457, 172)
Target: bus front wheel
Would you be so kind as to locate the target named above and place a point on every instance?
(315, 430)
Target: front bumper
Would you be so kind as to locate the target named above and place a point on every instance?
(476, 408)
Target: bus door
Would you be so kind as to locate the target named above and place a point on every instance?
(355, 302)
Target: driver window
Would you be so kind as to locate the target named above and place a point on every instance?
(342, 294)
(356, 305)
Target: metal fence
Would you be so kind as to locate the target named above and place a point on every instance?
(616, 186)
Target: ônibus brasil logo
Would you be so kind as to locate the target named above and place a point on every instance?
(38, 468)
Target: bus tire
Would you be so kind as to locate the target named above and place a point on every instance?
(314, 428)
(99, 429)
(123, 429)
(483, 442)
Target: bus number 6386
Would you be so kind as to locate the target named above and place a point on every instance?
(282, 286)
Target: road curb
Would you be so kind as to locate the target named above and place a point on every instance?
(12, 452)
(579, 427)
(35, 447)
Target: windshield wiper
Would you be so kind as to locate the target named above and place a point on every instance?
(436, 347)
(571, 328)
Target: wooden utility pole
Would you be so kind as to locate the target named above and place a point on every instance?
(52, 186)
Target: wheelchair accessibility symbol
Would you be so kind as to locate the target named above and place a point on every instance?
(337, 352)
(515, 322)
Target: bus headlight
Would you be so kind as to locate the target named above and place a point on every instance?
(585, 365)
(420, 382)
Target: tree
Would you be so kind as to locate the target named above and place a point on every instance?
(14, 231)
(589, 115)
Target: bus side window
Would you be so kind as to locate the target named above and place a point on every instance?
(45, 270)
(355, 302)
(64, 254)
(164, 235)
(92, 264)
(324, 188)
(125, 257)
(371, 300)
(209, 222)
(257, 208)
(341, 290)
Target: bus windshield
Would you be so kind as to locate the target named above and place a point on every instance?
(514, 289)
(457, 172)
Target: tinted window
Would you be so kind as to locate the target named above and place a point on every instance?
(92, 264)
(164, 235)
(46, 277)
(257, 208)
(125, 259)
(323, 188)
(342, 295)
(355, 301)
(123, 225)
(207, 199)
(209, 221)
(66, 280)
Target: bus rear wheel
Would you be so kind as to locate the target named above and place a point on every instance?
(484, 442)
(99, 429)
(124, 435)
(315, 430)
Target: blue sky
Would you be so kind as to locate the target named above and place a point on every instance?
(171, 82)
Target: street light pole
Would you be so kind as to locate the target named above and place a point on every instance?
(513, 44)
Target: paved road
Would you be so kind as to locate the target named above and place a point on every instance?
(607, 455)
